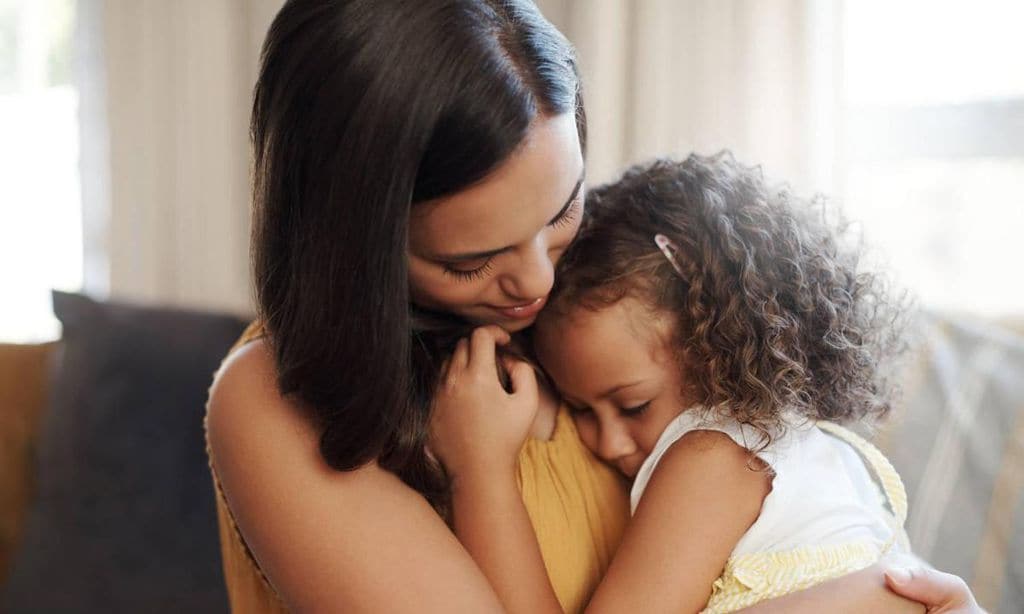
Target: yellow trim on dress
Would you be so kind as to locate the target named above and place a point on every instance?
(758, 576)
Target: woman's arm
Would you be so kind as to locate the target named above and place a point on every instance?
(329, 541)
(940, 592)
(492, 523)
(916, 589)
(477, 430)
(861, 591)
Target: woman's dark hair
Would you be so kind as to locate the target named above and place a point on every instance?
(773, 310)
(362, 109)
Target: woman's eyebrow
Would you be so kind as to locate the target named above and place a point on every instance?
(470, 256)
(494, 252)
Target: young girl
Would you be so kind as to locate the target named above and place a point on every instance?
(710, 333)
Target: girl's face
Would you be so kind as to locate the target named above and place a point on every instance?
(615, 370)
(488, 252)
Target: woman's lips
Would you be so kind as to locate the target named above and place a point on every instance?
(524, 311)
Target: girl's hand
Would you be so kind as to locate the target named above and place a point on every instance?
(477, 426)
(939, 592)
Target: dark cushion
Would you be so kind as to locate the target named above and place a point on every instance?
(124, 518)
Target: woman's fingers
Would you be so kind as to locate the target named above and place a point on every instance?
(523, 378)
(460, 357)
(938, 591)
(482, 345)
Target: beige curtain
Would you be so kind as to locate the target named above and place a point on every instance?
(172, 90)
(175, 86)
(759, 77)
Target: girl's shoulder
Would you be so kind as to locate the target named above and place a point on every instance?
(770, 446)
(701, 430)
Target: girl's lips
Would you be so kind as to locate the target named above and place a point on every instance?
(524, 311)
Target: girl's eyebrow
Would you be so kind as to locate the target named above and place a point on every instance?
(619, 387)
(494, 252)
(573, 403)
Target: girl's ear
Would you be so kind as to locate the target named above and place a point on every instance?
(691, 393)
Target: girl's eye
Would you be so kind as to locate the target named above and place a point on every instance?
(469, 274)
(578, 412)
(632, 412)
(569, 215)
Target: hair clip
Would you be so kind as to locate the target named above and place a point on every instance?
(669, 249)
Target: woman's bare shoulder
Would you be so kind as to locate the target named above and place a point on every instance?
(328, 540)
(244, 401)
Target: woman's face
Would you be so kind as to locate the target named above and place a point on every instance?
(488, 253)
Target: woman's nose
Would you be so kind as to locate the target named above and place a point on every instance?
(614, 441)
(533, 274)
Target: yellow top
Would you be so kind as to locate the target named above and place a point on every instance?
(578, 507)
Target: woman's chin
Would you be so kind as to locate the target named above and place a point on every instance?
(514, 326)
(490, 316)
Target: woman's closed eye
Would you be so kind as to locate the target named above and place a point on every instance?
(568, 215)
(466, 271)
(471, 270)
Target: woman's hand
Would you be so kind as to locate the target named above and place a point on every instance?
(476, 431)
(939, 592)
(476, 424)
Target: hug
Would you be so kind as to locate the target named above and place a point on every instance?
(476, 385)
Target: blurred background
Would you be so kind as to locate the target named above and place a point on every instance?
(125, 160)
(124, 176)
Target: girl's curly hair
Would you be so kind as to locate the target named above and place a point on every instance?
(773, 312)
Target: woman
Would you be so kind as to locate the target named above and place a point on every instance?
(416, 164)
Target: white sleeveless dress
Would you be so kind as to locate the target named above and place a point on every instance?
(836, 506)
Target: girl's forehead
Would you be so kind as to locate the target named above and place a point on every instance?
(605, 340)
(624, 326)
(586, 349)
(512, 203)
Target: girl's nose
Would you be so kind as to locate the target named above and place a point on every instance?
(533, 274)
(615, 441)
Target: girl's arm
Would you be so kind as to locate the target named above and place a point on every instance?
(673, 550)
(492, 522)
(700, 501)
(329, 541)
(702, 498)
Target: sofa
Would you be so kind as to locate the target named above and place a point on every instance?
(106, 503)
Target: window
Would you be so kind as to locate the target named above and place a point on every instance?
(934, 156)
(40, 202)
